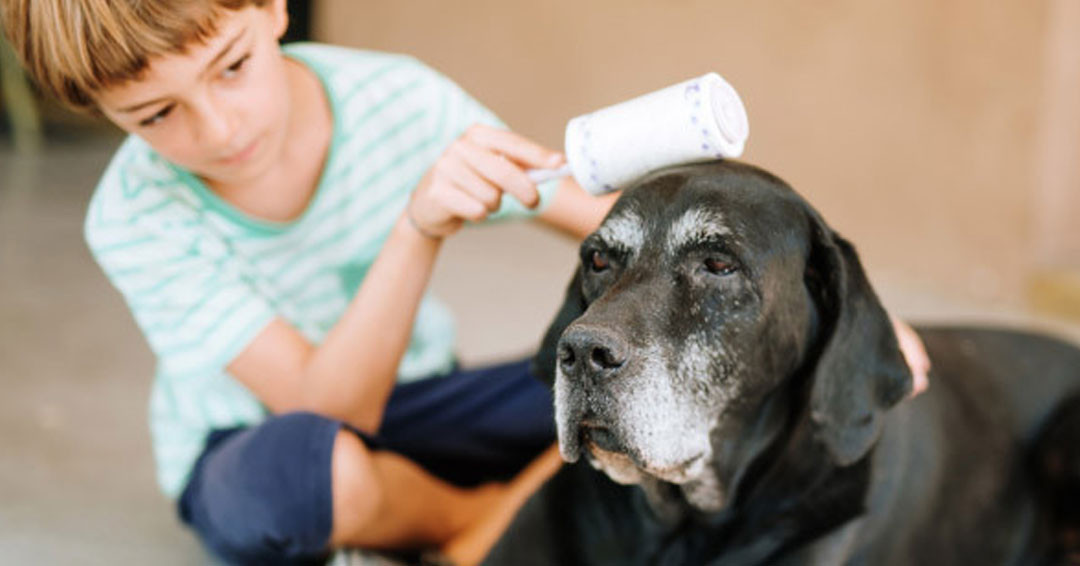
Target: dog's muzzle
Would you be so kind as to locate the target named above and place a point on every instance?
(619, 407)
(590, 358)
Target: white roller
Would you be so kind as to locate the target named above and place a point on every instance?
(699, 119)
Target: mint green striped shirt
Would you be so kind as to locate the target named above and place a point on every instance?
(203, 279)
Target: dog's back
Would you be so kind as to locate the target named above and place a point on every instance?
(1034, 371)
(960, 470)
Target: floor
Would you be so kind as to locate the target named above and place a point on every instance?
(76, 479)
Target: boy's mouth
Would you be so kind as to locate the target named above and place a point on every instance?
(243, 155)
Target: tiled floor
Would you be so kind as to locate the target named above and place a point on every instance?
(76, 479)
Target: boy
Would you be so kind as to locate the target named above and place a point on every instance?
(272, 223)
(256, 193)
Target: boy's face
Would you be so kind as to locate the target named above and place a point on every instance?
(220, 110)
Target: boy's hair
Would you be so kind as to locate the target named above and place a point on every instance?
(75, 48)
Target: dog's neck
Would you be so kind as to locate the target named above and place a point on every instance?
(790, 493)
(798, 497)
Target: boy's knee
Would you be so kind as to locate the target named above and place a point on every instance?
(357, 494)
(262, 494)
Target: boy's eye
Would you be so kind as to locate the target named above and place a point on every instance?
(231, 70)
(157, 117)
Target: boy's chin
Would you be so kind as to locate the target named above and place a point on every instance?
(237, 174)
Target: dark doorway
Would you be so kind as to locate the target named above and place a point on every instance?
(300, 12)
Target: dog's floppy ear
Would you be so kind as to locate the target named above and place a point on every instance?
(572, 308)
(860, 370)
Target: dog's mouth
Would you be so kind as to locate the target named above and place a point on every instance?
(606, 451)
(601, 437)
(679, 473)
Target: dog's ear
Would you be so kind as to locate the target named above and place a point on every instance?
(572, 308)
(860, 370)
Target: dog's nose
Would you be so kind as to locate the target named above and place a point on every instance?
(593, 350)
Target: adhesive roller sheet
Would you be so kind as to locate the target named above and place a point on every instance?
(696, 120)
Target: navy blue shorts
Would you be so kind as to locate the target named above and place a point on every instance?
(262, 495)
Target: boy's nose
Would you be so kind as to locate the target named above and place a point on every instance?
(216, 129)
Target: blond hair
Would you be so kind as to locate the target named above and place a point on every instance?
(75, 48)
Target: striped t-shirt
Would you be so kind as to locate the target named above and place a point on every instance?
(203, 278)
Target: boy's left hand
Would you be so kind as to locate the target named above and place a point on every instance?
(914, 354)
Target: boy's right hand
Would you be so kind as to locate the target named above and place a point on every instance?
(468, 180)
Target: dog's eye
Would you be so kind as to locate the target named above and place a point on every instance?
(598, 261)
(719, 266)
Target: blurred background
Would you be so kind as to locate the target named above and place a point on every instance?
(941, 136)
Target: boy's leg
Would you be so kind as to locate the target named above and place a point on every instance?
(410, 508)
(262, 494)
(280, 492)
(471, 426)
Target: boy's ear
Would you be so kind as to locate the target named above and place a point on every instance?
(280, 13)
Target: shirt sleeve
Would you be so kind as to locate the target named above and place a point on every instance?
(454, 111)
(186, 291)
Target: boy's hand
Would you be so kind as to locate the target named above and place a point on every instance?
(914, 354)
(469, 178)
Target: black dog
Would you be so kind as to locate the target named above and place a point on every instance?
(721, 354)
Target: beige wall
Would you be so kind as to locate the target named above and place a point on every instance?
(918, 127)
(1058, 208)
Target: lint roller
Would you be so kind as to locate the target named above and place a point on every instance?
(696, 120)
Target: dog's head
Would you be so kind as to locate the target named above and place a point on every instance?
(710, 306)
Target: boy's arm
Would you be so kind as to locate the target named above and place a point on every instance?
(574, 211)
(350, 375)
